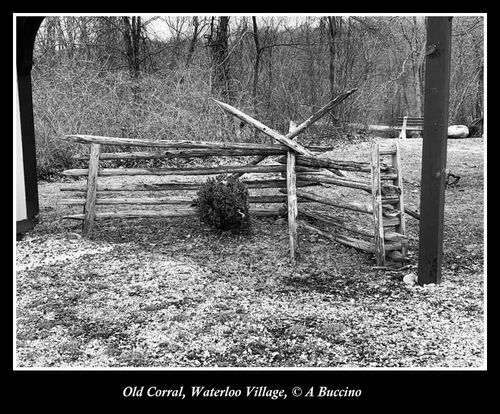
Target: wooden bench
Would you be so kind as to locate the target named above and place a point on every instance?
(406, 123)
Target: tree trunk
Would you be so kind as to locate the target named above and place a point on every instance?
(219, 48)
(332, 48)
(258, 53)
(332, 34)
(192, 43)
(255, 85)
(131, 38)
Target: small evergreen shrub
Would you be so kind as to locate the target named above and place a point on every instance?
(222, 202)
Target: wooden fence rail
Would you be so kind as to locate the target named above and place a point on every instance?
(113, 172)
(179, 185)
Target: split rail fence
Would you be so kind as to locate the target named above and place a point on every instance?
(302, 166)
(96, 196)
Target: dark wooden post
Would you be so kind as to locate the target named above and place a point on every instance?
(436, 102)
(26, 30)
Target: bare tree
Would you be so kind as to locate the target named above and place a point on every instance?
(131, 38)
(194, 39)
(218, 41)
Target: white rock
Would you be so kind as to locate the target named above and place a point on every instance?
(410, 279)
(458, 131)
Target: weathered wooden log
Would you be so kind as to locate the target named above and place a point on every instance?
(135, 200)
(323, 179)
(389, 191)
(92, 172)
(360, 207)
(390, 211)
(413, 213)
(111, 172)
(322, 111)
(183, 145)
(326, 163)
(271, 199)
(357, 166)
(172, 144)
(266, 212)
(388, 174)
(391, 221)
(400, 206)
(187, 212)
(311, 120)
(186, 153)
(136, 214)
(179, 185)
(269, 131)
(349, 241)
(291, 181)
(319, 148)
(264, 129)
(387, 221)
(259, 199)
(378, 226)
(337, 222)
(388, 149)
(390, 200)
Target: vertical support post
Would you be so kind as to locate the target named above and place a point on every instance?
(292, 204)
(378, 225)
(432, 191)
(89, 209)
(396, 163)
(402, 134)
(26, 30)
(291, 181)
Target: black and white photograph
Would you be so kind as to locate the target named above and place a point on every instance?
(249, 191)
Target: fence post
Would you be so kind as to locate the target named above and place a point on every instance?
(89, 209)
(291, 188)
(378, 225)
(402, 134)
(401, 227)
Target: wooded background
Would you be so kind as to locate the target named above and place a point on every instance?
(151, 77)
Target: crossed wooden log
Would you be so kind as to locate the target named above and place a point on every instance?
(288, 138)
